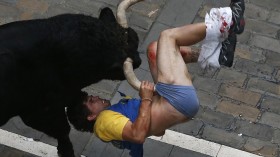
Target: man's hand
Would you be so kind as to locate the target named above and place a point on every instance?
(146, 90)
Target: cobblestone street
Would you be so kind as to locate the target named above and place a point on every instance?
(239, 106)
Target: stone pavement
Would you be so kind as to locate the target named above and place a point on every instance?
(240, 106)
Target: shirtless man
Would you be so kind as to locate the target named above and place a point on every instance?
(128, 123)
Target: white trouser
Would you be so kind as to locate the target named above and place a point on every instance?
(218, 23)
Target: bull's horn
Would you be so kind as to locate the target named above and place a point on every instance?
(121, 17)
(130, 75)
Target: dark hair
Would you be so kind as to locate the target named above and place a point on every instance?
(77, 114)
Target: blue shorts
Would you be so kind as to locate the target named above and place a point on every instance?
(183, 98)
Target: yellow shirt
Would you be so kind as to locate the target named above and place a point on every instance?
(109, 125)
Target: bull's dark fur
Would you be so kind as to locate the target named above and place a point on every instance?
(44, 63)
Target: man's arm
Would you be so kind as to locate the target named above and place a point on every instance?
(137, 132)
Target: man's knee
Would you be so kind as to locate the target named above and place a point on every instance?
(151, 51)
(168, 33)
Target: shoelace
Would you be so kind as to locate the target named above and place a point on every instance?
(224, 47)
(236, 10)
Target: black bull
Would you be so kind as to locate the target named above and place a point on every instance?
(44, 63)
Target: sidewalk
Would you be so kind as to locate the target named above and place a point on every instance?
(240, 106)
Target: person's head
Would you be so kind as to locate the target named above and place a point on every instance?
(95, 105)
(84, 110)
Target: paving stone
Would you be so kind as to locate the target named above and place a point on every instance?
(79, 140)
(229, 76)
(204, 10)
(194, 69)
(267, 4)
(191, 127)
(276, 136)
(33, 6)
(271, 104)
(249, 53)
(57, 10)
(2, 147)
(141, 34)
(217, 119)
(262, 27)
(245, 37)
(88, 8)
(127, 89)
(277, 77)
(12, 152)
(8, 11)
(154, 148)
(266, 43)
(111, 151)
(223, 137)
(96, 147)
(140, 21)
(6, 20)
(272, 58)
(148, 8)
(243, 95)
(274, 17)
(103, 88)
(207, 99)
(242, 111)
(174, 13)
(253, 68)
(8, 2)
(216, 4)
(255, 130)
(256, 12)
(265, 86)
(55, 2)
(144, 65)
(261, 147)
(110, 2)
(177, 151)
(271, 119)
(198, 19)
(206, 84)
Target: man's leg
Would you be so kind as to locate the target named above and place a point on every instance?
(189, 54)
(167, 64)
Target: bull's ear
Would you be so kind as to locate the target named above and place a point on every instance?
(107, 15)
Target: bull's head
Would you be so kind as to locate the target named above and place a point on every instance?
(123, 40)
(130, 62)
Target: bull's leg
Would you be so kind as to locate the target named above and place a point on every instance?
(65, 147)
(54, 123)
(7, 85)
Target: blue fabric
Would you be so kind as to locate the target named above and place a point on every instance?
(127, 107)
(130, 109)
(183, 98)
